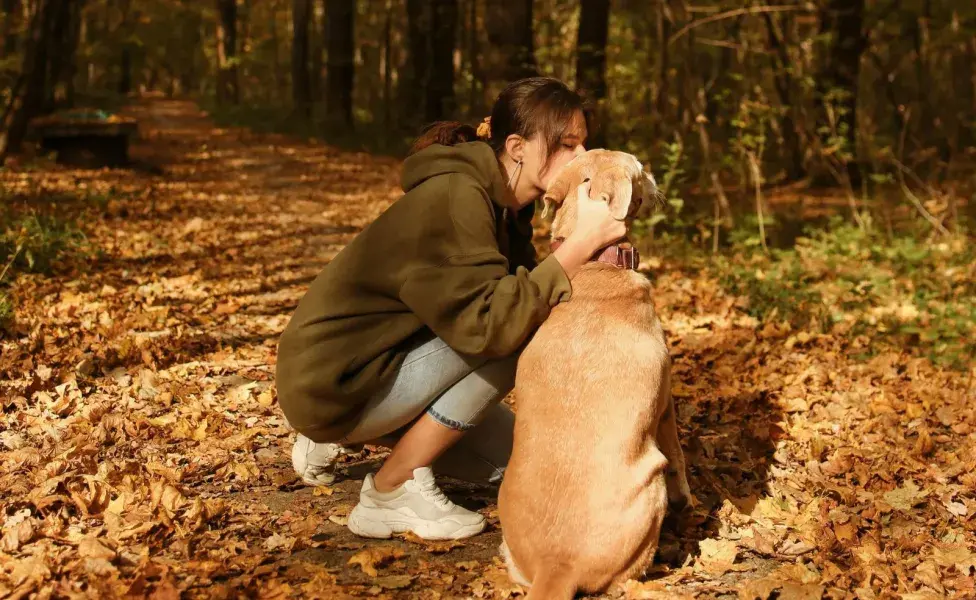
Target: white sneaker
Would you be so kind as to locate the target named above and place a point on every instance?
(315, 463)
(418, 506)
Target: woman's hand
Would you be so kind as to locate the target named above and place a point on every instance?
(595, 229)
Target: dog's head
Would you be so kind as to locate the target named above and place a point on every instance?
(615, 177)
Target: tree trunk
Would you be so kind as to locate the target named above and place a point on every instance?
(474, 68)
(28, 91)
(413, 85)
(125, 80)
(301, 84)
(509, 29)
(388, 71)
(316, 49)
(843, 20)
(591, 60)
(228, 91)
(783, 82)
(661, 73)
(340, 23)
(11, 17)
(440, 102)
(591, 48)
(188, 75)
(65, 30)
(70, 68)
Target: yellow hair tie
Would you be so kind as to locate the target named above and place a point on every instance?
(484, 129)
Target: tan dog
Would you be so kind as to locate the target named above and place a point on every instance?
(596, 456)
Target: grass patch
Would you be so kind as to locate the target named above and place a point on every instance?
(34, 242)
(41, 234)
(892, 293)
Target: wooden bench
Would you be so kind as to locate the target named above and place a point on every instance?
(86, 137)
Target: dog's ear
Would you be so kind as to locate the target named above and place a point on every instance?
(559, 187)
(649, 190)
(616, 189)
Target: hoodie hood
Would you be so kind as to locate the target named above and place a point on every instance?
(474, 159)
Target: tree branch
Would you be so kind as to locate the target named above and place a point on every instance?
(753, 10)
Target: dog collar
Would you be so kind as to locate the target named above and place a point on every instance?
(624, 255)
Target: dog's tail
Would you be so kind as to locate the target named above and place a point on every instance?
(555, 581)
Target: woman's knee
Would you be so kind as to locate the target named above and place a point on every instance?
(463, 405)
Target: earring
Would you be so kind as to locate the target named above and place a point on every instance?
(518, 167)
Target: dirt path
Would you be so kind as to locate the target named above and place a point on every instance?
(143, 452)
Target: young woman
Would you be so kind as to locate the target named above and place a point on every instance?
(409, 337)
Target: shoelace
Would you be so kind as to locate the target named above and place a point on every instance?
(430, 491)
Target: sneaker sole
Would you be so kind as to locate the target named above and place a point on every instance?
(321, 481)
(378, 523)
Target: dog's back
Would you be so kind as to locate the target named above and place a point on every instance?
(583, 497)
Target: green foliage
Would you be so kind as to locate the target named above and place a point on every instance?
(34, 242)
(41, 235)
(6, 310)
(671, 176)
(898, 292)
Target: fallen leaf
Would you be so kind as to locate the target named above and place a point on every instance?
(716, 556)
(17, 535)
(395, 582)
(92, 548)
(371, 558)
(958, 556)
(846, 532)
(433, 546)
(957, 508)
(278, 541)
(905, 497)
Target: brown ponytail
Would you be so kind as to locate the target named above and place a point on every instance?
(448, 133)
(535, 105)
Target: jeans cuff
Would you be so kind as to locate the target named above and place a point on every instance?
(450, 423)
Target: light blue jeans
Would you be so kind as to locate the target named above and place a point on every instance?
(458, 391)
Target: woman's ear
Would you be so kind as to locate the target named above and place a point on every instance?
(515, 147)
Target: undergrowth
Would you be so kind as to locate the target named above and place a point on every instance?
(41, 235)
(881, 292)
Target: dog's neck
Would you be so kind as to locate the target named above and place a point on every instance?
(622, 255)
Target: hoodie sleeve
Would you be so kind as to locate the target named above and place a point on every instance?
(468, 298)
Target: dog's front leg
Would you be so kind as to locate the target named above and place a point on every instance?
(679, 492)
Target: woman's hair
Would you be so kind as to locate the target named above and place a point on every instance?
(542, 105)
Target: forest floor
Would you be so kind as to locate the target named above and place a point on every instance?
(143, 453)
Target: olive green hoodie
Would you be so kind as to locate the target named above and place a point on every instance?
(445, 258)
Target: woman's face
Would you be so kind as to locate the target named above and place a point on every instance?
(537, 171)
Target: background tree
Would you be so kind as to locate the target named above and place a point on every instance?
(510, 52)
(300, 77)
(340, 31)
(842, 23)
(591, 57)
(12, 11)
(228, 90)
(28, 91)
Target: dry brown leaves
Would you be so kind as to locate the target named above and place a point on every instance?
(142, 453)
